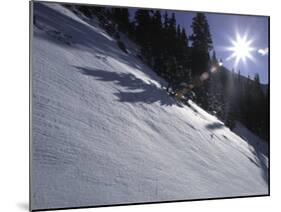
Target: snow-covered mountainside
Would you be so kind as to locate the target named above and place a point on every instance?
(106, 132)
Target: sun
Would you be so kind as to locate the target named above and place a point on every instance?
(241, 49)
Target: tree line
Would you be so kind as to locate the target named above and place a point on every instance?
(178, 57)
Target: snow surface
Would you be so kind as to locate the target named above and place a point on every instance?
(105, 131)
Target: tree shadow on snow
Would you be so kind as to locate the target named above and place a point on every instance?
(260, 151)
(257, 148)
(132, 89)
(214, 126)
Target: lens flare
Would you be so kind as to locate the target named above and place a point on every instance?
(241, 49)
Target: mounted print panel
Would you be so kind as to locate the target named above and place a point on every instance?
(135, 106)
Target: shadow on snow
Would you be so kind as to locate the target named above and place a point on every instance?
(259, 150)
(214, 126)
(134, 89)
(138, 90)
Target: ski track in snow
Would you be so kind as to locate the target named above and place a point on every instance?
(105, 132)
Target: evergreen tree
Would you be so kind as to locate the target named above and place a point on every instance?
(157, 41)
(85, 10)
(121, 17)
(166, 20)
(200, 59)
(259, 104)
(214, 59)
(201, 44)
(216, 100)
(185, 55)
(172, 26)
(143, 31)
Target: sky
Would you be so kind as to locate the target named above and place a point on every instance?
(226, 30)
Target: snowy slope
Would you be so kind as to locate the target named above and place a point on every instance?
(105, 132)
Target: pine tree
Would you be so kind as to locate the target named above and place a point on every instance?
(143, 32)
(185, 59)
(201, 44)
(157, 41)
(85, 10)
(214, 59)
(166, 20)
(121, 17)
(216, 100)
(200, 59)
(172, 25)
(259, 102)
